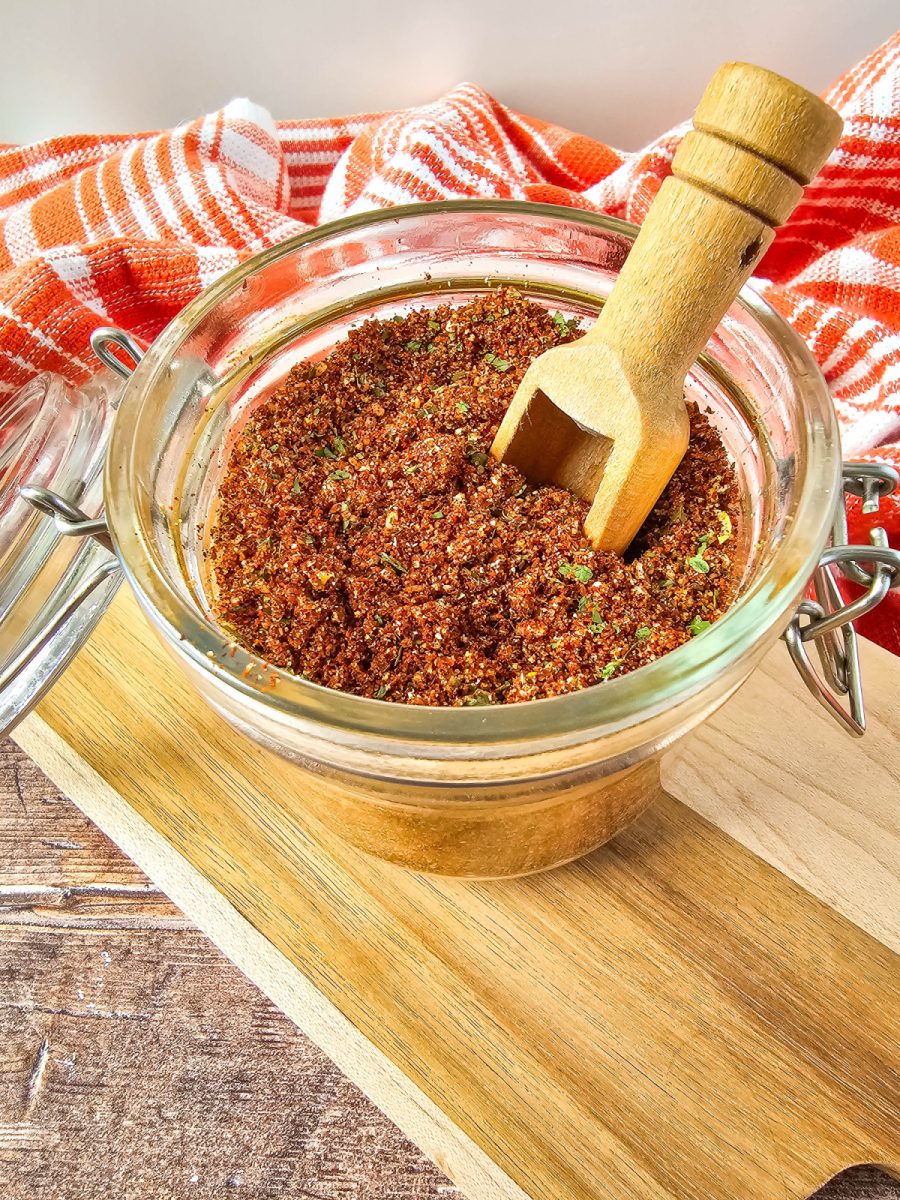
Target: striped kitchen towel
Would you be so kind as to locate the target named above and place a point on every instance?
(124, 229)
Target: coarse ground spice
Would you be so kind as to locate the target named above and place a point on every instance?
(365, 540)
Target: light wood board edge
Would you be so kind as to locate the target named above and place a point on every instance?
(465, 1163)
(773, 771)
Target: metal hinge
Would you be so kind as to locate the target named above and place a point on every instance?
(827, 620)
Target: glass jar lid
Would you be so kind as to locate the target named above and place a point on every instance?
(53, 589)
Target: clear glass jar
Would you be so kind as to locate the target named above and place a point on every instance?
(52, 589)
(484, 791)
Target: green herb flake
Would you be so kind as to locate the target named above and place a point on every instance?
(390, 561)
(463, 408)
(413, 345)
(698, 562)
(489, 357)
(479, 696)
(643, 633)
(698, 625)
(560, 321)
(340, 445)
(611, 667)
(296, 487)
(477, 458)
(339, 474)
(437, 516)
(727, 528)
(434, 326)
(324, 452)
(597, 622)
(457, 376)
(582, 604)
(382, 692)
(274, 448)
(581, 573)
(500, 364)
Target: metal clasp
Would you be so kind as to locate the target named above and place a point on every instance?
(828, 621)
(69, 520)
(107, 336)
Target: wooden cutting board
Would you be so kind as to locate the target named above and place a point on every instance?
(672, 1017)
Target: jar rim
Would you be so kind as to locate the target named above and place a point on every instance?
(623, 702)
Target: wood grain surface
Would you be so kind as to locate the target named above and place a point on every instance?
(137, 1061)
(58, 872)
(669, 1017)
(773, 771)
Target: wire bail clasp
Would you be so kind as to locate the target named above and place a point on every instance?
(827, 620)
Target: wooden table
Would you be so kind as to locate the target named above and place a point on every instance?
(138, 1061)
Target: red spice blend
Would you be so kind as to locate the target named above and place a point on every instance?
(365, 540)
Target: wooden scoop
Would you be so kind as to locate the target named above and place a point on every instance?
(605, 416)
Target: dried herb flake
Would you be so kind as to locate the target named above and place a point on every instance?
(390, 561)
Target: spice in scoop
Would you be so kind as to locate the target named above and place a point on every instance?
(364, 539)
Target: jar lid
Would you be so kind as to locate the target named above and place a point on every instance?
(53, 588)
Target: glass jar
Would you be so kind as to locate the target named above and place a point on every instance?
(52, 590)
(482, 791)
(487, 791)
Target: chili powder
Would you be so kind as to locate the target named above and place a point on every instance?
(364, 539)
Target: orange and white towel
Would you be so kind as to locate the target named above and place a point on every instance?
(124, 229)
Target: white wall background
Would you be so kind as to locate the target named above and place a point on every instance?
(620, 71)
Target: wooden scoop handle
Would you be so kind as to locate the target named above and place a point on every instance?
(757, 139)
